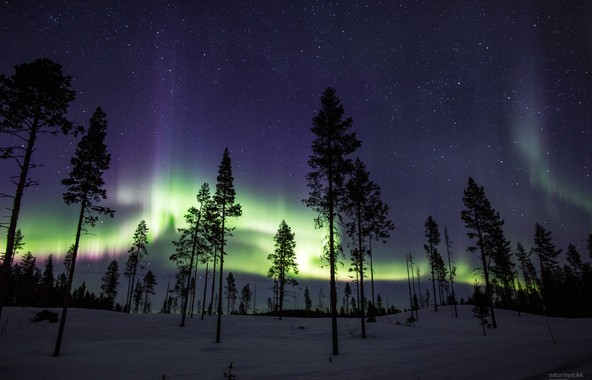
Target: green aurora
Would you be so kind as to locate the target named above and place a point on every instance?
(49, 229)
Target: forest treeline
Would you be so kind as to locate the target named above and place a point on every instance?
(349, 208)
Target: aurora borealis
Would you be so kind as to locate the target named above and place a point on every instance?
(499, 91)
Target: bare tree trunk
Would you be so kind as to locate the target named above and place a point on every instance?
(203, 304)
(219, 319)
(211, 306)
(332, 254)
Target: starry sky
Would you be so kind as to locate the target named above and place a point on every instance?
(438, 92)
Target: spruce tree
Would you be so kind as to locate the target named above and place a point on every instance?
(283, 261)
(33, 102)
(245, 299)
(109, 284)
(85, 187)
(226, 208)
(330, 164)
(48, 283)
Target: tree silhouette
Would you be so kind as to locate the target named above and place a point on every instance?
(245, 299)
(48, 282)
(148, 284)
(283, 261)
(230, 292)
(307, 300)
(33, 102)
(451, 269)
(85, 187)
(109, 283)
(190, 244)
(547, 255)
(358, 189)
(137, 252)
(205, 200)
(330, 165)
(481, 220)
(226, 208)
(433, 239)
(480, 308)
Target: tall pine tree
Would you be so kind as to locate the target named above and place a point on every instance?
(549, 268)
(481, 220)
(85, 187)
(33, 102)
(330, 164)
(226, 208)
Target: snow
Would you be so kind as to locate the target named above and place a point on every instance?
(110, 345)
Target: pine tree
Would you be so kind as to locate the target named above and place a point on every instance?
(48, 283)
(85, 186)
(502, 268)
(193, 219)
(181, 258)
(368, 221)
(347, 293)
(231, 291)
(378, 225)
(226, 208)
(138, 293)
(18, 245)
(109, 284)
(379, 306)
(283, 261)
(148, 285)
(531, 297)
(451, 269)
(245, 299)
(575, 260)
(481, 220)
(134, 261)
(589, 245)
(409, 268)
(26, 281)
(33, 102)
(574, 282)
(481, 308)
(433, 236)
(307, 300)
(549, 268)
(330, 165)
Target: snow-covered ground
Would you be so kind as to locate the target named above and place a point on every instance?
(109, 345)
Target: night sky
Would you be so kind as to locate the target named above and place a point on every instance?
(438, 92)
